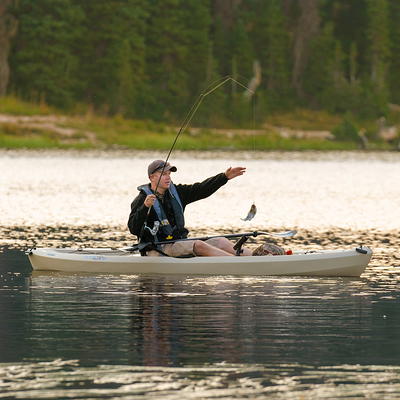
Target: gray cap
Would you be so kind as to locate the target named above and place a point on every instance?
(159, 165)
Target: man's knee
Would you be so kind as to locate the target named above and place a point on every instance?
(201, 248)
(219, 242)
(223, 242)
(198, 247)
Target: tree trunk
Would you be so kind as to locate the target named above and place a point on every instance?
(226, 10)
(307, 27)
(8, 28)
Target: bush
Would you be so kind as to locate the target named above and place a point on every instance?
(346, 131)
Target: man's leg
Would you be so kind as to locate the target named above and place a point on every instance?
(193, 247)
(227, 246)
(201, 248)
(212, 247)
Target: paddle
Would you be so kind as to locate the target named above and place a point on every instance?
(143, 245)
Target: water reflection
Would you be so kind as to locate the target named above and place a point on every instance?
(250, 320)
(90, 336)
(58, 379)
(15, 314)
(67, 379)
(210, 336)
(229, 337)
(156, 320)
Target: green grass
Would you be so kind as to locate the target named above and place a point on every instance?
(209, 141)
(92, 131)
(14, 106)
(304, 119)
(15, 136)
(15, 142)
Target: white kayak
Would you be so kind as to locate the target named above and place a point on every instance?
(350, 262)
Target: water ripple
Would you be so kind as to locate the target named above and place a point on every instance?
(86, 336)
(67, 379)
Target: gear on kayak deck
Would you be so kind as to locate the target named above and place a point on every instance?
(269, 249)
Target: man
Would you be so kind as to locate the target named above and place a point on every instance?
(167, 203)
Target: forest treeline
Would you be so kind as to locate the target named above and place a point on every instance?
(152, 58)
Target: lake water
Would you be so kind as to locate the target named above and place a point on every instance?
(83, 336)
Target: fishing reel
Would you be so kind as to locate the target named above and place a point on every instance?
(155, 229)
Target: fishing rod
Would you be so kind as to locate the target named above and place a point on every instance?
(186, 121)
(189, 116)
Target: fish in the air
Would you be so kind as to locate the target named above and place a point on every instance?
(251, 214)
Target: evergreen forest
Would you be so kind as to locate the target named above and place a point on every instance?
(150, 59)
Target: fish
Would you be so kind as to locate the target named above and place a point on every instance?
(251, 214)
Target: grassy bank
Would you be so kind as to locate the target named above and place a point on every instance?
(33, 126)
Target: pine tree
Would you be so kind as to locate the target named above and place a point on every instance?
(324, 69)
(225, 17)
(349, 19)
(221, 49)
(124, 93)
(201, 64)
(112, 54)
(43, 62)
(242, 53)
(152, 58)
(307, 27)
(394, 70)
(378, 53)
(166, 51)
(8, 29)
(272, 48)
(197, 23)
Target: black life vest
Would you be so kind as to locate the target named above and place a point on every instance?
(166, 230)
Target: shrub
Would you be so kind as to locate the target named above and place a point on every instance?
(346, 131)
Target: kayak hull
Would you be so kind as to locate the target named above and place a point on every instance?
(322, 263)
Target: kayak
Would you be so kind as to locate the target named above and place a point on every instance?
(348, 262)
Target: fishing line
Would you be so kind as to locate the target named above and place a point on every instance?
(188, 118)
(253, 209)
(254, 147)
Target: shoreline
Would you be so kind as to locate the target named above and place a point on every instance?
(208, 154)
(57, 132)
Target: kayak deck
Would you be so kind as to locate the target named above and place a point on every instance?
(350, 262)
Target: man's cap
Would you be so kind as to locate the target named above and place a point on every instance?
(160, 165)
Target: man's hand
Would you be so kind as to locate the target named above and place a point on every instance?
(234, 172)
(149, 200)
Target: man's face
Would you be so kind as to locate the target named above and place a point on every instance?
(165, 180)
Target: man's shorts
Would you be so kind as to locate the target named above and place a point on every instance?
(179, 249)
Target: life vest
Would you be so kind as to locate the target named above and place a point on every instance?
(166, 230)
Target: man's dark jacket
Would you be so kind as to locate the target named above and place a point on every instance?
(187, 193)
